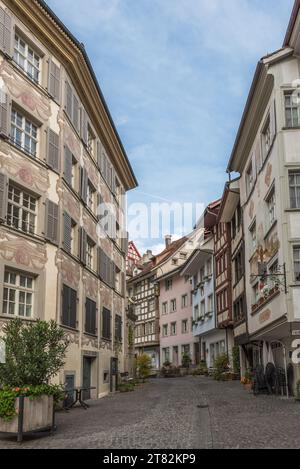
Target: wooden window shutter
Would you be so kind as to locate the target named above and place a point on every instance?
(68, 100)
(67, 232)
(75, 116)
(83, 184)
(273, 120)
(54, 81)
(52, 222)
(3, 197)
(5, 31)
(112, 274)
(99, 150)
(84, 126)
(53, 150)
(68, 164)
(113, 182)
(4, 115)
(90, 316)
(83, 243)
(65, 306)
(123, 284)
(73, 308)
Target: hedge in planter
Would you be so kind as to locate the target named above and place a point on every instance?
(34, 354)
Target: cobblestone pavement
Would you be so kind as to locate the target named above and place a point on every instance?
(186, 413)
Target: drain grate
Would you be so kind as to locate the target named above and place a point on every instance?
(202, 406)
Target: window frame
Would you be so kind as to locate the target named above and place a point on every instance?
(27, 62)
(18, 289)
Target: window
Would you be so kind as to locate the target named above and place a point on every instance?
(166, 355)
(202, 308)
(118, 328)
(27, 59)
(164, 308)
(185, 350)
(238, 267)
(238, 309)
(21, 210)
(173, 328)
(106, 324)
(184, 301)
(253, 240)
(249, 178)
(173, 306)
(18, 294)
(91, 196)
(90, 245)
(296, 250)
(165, 330)
(151, 305)
(255, 293)
(294, 182)
(168, 284)
(90, 317)
(184, 326)
(91, 142)
(266, 137)
(69, 307)
(24, 133)
(271, 208)
(196, 312)
(291, 109)
(208, 268)
(202, 274)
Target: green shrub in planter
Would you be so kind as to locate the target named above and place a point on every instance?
(143, 363)
(34, 353)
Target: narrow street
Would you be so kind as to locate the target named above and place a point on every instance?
(165, 413)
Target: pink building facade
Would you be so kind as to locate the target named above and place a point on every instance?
(176, 318)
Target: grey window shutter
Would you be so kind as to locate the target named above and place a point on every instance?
(83, 184)
(3, 197)
(113, 275)
(73, 309)
(273, 120)
(84, 126)
(5, 31)
(54, 81)
(67, 232)
(113, 182)
(53, 150)
(75, 117)
(123, 284)
(99, 262)
(52, 222)
(83, 243)
(68, 163)
(68, 99)
(4, 114)
(125, 243)
(99, 150)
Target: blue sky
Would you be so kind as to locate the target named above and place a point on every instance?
(176, 74)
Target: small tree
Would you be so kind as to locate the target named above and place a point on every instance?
(143, 366)
(34, 352)
(186, 360)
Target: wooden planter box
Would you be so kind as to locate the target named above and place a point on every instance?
(33, 416)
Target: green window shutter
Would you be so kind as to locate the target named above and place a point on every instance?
(3, 196)
(67, 232)
(54, 81)
(5, 31)
(52, 222)
(68, 164)
(53, 150)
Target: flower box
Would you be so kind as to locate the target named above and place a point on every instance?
(33, 415)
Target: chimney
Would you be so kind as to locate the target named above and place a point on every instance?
(168, 239)
(147, 257)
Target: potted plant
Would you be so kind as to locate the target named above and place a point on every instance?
(186, 360)
(143, 363)
(247, 381)
(34, 353)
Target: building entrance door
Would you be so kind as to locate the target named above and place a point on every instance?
(87, 377)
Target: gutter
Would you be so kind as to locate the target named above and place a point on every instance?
(292, 22)
(258, 70)
(81, 47)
